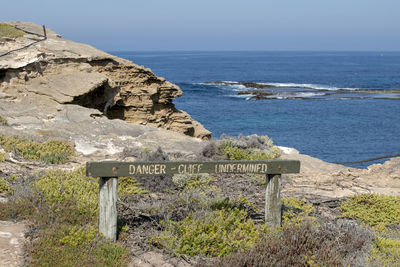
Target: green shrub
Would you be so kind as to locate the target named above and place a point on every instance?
(373, 209)
(3, 121)
(2, 157)
(231, 151)
(296, 211)
(258, 179)
(129, 186)
(112, 254)
(10, 211)
(240, 202)
(193, 181)
(52, 152)
(4, 187)
(9, 31)
(217, 233)
(304, 245)
(13, 178)
(381, 212)
(72, 246)
(61, 240)
(195, 192)
(63, 208)
(60, 186)
(386, 251)
(79, 236)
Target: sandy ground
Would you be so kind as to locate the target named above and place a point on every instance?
(11, 244)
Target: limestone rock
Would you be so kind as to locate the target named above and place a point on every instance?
(321, 180)
(67, 72)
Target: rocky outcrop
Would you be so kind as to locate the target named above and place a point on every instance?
(319, 180)
(65, 72)
(146, 99)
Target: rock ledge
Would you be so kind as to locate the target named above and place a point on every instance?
(54, 71)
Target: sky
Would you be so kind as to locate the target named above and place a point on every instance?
(132, 25)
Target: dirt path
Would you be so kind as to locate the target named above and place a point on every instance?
(11, 244)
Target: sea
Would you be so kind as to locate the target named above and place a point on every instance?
(336, 106)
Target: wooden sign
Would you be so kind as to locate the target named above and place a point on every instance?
(117, 169)
(109, 171)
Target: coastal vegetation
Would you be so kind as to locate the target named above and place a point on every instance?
(9, 31)
(4, 187)
(51, 152)
(251, 147)
(63, 207)
(214, 234)
(382, 214)
(373, 209)
(191, 216)
(3, 121)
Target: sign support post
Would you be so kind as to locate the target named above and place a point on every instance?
(108, 195)
(273, 202)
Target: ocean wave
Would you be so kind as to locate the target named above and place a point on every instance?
(247, 97)
(308, 94)
(275, 85)
(259, 91)
(306, 86)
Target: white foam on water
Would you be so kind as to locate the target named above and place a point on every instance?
(307, 85)
(307, 94)
(241, 96)
(237, 86)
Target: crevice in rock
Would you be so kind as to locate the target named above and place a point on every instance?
(2, 75)
(101, 98)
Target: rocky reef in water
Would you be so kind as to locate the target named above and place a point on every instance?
(261, 91)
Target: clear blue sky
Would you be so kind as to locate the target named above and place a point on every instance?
(218, 24)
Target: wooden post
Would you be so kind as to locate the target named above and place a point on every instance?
(273, 203)
(44, 32)
(108, 194)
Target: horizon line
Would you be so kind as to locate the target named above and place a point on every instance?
(248, 50)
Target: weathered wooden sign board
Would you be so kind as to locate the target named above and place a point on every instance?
(118, 169)
(109, 171)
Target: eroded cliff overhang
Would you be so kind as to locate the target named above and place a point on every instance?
(66, 72)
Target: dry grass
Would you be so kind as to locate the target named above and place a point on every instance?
(305, 245)
(9, 31)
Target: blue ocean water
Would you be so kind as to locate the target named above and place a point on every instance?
(325, 104)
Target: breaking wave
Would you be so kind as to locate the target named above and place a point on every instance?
(271, 85)
(272, 90)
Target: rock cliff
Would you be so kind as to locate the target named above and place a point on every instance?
(48, 71)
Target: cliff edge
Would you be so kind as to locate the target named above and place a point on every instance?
(48, 70)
